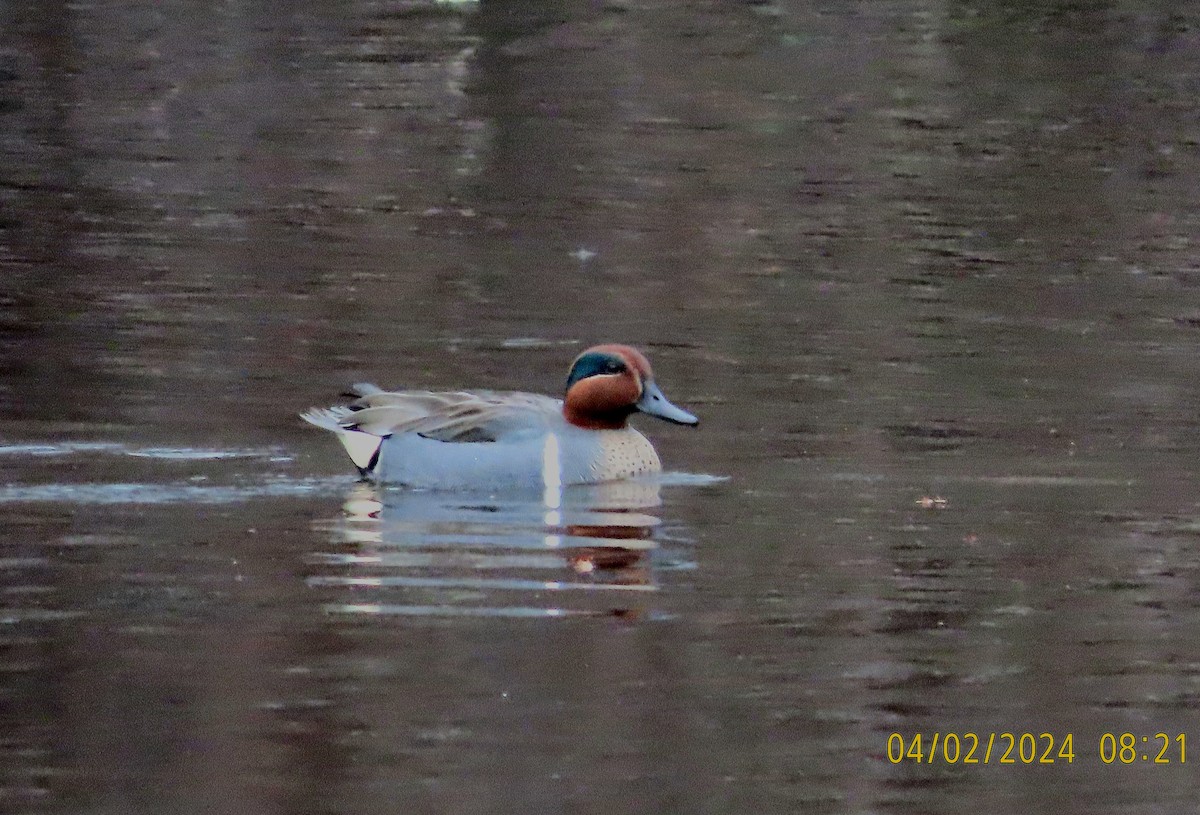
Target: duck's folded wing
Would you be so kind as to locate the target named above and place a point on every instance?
(463, 416)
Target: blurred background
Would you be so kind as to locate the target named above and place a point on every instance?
(927, 271)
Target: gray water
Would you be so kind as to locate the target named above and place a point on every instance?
(927, 271)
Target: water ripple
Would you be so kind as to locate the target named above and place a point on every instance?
(412, 554)
(170, 493)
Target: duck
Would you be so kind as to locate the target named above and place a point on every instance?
(491, 440)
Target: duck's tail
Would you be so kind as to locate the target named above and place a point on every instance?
(362, 447)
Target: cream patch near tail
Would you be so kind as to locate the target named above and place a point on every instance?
(363, 448)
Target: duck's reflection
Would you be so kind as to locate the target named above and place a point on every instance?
(589, 550)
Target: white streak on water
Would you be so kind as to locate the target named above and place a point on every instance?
(514, 584)
(171, 493)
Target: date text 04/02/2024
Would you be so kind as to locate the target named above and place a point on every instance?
(1033, 748)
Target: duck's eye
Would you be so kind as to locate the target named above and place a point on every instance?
(613, 367)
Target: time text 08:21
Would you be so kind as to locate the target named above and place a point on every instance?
(1033, 748)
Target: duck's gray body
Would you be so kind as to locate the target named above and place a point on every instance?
(481, 441)
(531, 460)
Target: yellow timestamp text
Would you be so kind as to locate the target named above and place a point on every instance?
(1032, 748)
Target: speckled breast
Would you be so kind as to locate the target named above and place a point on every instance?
(624, 454)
